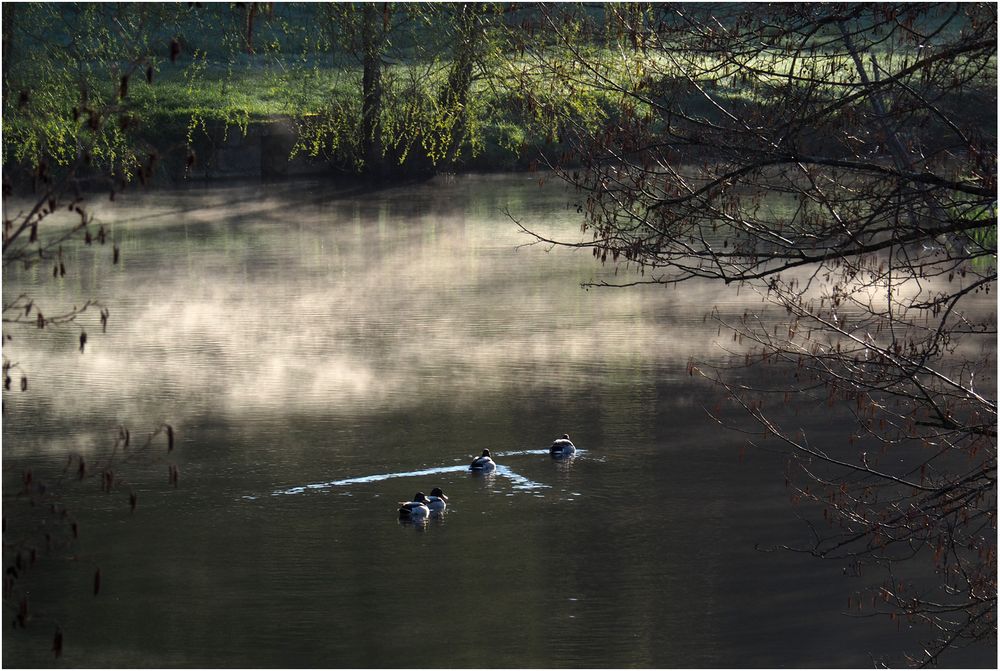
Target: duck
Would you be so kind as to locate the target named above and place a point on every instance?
(483, 463)
(562, 447)
(437, 501)
(416, 509)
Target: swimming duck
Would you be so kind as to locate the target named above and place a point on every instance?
(437, 501)
(483, 463)
(416, 509)
(562, 447)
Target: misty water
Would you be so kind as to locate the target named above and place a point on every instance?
(323, 353)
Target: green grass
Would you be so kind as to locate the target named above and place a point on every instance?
(325, 94)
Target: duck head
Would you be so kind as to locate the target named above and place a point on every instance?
(438, 493)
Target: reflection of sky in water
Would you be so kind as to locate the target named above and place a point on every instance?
(517, 481)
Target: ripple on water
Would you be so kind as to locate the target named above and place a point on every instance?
(518, 482)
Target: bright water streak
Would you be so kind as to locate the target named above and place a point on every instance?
(517, 481)
(365, 479)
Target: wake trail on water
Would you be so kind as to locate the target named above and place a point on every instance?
(517, 481)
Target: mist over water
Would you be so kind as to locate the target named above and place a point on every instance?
(384, 299)
(323, 354)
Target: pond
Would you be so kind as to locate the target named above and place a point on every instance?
(323, 353)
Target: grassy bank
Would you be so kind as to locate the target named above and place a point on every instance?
(306, 70)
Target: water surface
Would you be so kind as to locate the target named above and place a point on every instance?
(323, 354)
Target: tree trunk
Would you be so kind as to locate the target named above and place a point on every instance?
(455, 97)
(373, 40)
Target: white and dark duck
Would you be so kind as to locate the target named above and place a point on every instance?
(483, 463)
(437, 501)
(417, 509)
(562, 447)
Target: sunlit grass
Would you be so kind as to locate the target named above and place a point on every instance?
(516, 101)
